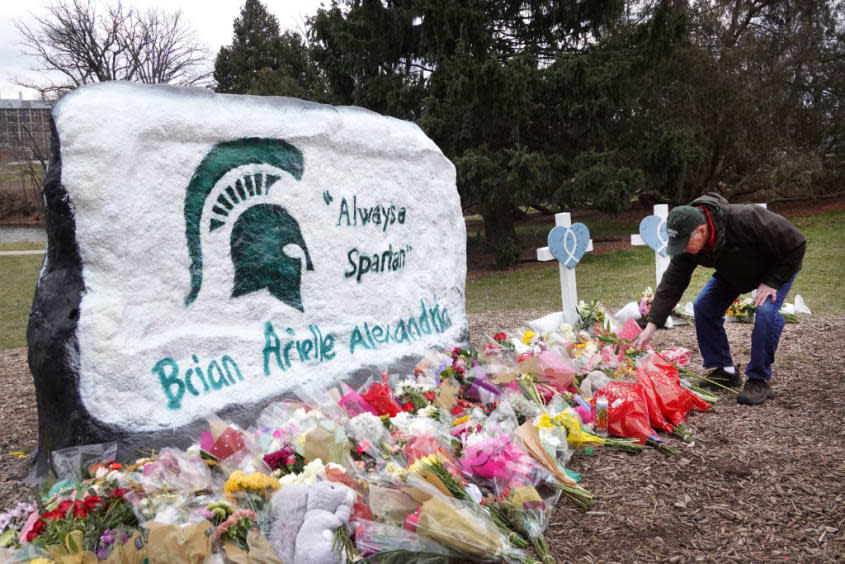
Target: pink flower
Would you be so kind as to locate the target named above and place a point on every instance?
(28, 526)
(496, 458)
(412, 519)
(645, 305)
(363, 446)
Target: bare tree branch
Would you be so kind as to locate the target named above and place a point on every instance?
(85, 44)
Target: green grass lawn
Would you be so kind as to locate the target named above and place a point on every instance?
(614, 278)
(18, 275)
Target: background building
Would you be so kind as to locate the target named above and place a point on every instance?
(24, 130)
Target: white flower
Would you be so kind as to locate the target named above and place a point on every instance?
(367, 426)
(428, 411)
(415, 425)
(408, 385)
(313, 470)
(567, 332)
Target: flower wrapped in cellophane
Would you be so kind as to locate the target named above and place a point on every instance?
(462, 526)
(381, 543)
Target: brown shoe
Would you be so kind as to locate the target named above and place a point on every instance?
(755, 392)
(724, 378)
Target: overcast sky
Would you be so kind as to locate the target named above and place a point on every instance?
(211, 20)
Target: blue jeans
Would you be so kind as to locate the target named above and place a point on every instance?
(710, 307)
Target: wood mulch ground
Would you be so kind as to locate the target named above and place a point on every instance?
(758, 484)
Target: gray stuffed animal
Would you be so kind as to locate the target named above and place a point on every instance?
(305, 519)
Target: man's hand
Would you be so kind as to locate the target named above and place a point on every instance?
(641, 342)
(764, 293)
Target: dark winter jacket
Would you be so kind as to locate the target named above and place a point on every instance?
(750, 246)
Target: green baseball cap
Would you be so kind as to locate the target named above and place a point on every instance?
(680, 224)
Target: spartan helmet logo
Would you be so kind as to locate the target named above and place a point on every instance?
(262, 232)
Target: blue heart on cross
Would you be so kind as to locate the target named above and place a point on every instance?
(653, 232)
(568, 244)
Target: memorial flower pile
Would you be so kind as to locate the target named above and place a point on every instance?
(463, 458)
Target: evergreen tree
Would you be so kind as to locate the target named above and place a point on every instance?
(511, 91)
(255, 46)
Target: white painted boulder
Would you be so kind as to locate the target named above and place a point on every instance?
(210, 253)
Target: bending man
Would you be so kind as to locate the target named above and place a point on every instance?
(750, 248)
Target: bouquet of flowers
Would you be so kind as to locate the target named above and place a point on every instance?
(12, 521)
(644, 301)
(742, 310)
(90, 516)
(460, 525)
(384, 543)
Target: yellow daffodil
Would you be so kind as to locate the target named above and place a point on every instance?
(527, 336)
(545, 422)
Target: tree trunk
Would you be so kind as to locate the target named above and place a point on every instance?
(499, 232)
(497, 212)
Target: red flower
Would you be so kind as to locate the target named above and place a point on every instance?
(53, 515)
(499, 337)
(79, 510)
(37, 528)
(429, 395)
(119, 492)
(115, 466)
(408, 406)
(93, 501)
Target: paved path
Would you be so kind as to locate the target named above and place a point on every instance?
(35, 252)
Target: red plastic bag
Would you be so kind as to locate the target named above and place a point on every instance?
(627, 410)
(657, 362)
(380, 398)
(697, 402)
(675, 401)
(655, 414)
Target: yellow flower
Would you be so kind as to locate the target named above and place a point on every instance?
(422, 463)
(527, 336)
(239, 481)
(40, 560)
(460, 420)
(545, 421)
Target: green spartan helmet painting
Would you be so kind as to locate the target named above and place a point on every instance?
(261, 232)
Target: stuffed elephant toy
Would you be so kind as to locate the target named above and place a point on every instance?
(305, 519)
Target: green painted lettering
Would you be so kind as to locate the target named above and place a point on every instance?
(424, 324)
(356, 340)
(168, 380)
(354, 266)
(198, 370)
(272, 346)
(344, 211)
(363, 267)
(218, 382)
(190, 384)
(229, 365)
(400, 335)
(326, 346)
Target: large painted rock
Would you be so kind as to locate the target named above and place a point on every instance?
(210, 253)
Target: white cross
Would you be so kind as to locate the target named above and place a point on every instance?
(661, 262)
(568, 290)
